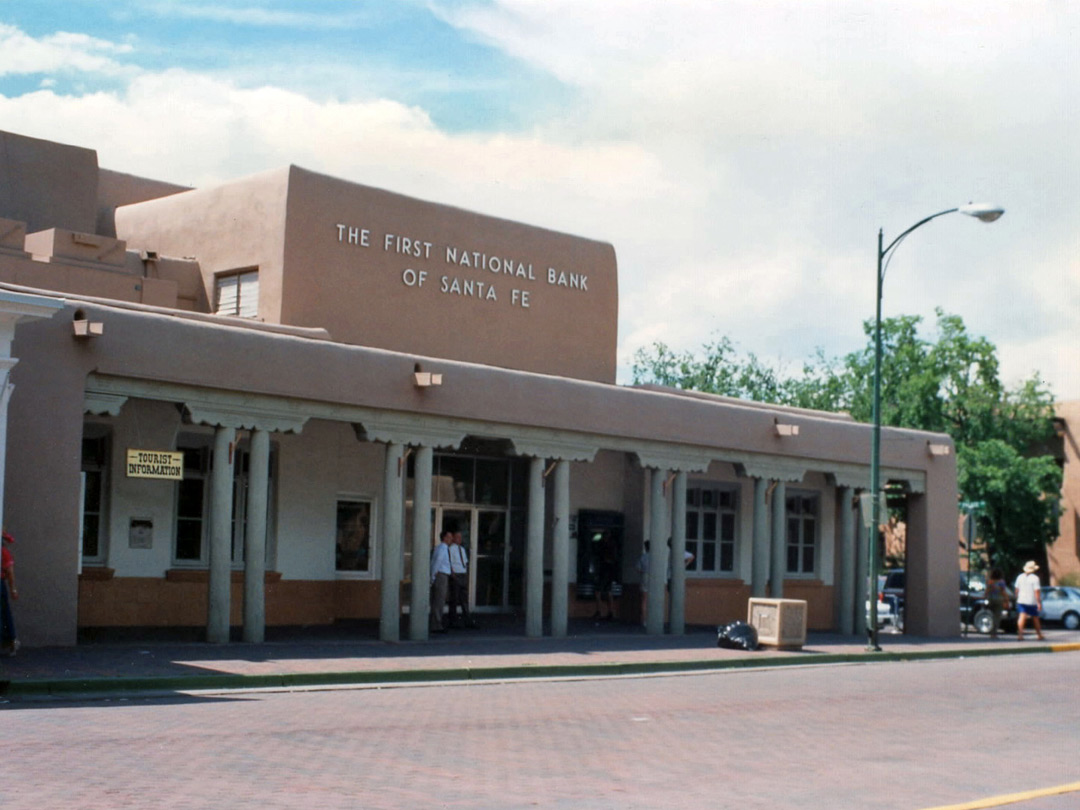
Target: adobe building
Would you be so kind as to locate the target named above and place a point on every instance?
(254, 405)
(1063, 555)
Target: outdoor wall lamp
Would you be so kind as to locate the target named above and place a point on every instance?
(984, 213)
(83, 327)
(425, 379)
(785, 430)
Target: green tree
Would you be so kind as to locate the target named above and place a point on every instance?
(948, 385)
(1020, 497)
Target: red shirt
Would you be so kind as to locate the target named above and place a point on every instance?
(6, 561)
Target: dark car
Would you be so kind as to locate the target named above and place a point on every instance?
(975, 607)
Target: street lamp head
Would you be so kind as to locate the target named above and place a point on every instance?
(984, 212)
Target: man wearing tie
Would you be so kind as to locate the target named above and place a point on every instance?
(440, 578)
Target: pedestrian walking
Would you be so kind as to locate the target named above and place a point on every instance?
(997, 597)
(1028, 600)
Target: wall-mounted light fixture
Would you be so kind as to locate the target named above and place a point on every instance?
(938, 449)
(425, 379)
(785, 429)
(83, 327)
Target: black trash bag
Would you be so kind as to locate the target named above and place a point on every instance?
(737, 636)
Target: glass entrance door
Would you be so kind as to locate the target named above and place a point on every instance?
(489, 572)
(483, 535)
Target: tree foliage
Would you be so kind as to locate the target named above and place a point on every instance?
(950, 384)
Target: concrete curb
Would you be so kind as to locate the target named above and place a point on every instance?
(100, 687)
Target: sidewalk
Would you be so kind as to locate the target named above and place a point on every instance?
(499, 650)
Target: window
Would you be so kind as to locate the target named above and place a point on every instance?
(238, 294)
(802, 532)
(710, 529)
(95, 454)
(353, 548)
(193, 503)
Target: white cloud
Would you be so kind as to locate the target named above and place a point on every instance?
(206, 130)
(62, 52)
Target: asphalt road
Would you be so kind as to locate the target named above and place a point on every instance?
(909, 736)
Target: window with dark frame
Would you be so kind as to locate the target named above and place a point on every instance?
(353, 545)
(193, 505)
(95, 455)
(710, 528)
(237, 294)
(802, 533)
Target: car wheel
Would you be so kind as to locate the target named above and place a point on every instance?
(1071, 620)
(983, 621)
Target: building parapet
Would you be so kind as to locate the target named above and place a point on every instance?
(74, 247)
(13, 237)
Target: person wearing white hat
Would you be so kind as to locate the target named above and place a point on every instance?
(1028, 599)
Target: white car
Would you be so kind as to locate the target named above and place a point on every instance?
(1061, 604)
(884, 614)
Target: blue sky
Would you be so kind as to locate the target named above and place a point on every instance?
(328, 50)
(740, 156)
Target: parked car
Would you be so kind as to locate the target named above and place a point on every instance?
(975, 608)
(1061, 604)
(891, 586)
(885, 614)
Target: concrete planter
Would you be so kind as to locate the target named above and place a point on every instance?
(780, 623)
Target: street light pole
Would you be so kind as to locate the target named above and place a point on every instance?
(984, 213)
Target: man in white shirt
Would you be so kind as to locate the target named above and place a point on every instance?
(1028, 599)
(440, 579)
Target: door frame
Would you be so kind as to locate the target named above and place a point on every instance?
(472, 513)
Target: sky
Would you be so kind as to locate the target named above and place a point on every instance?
(741, 156)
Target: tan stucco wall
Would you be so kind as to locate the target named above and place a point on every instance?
(225, 228)
(116, 189)
(376, 290)
(47, 184)
(932, 603)
(1063, 555)
(42, 481)
(374, 295)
